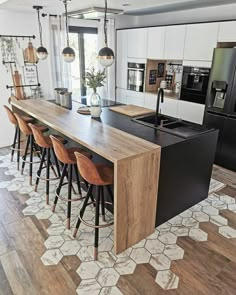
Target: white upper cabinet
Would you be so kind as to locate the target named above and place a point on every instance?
(121, 59)
(200, 41)
(174, 42)
(227, 32)
(137, 43)
(156, 43)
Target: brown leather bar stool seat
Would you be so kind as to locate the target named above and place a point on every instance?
(101, 176)
(25, 129)
(17, 136)
(45, 143)
(67, 157)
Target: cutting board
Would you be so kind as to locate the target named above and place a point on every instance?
(131, 110)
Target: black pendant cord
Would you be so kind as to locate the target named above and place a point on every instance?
(105, 24)
(40, 28)
(67, 30)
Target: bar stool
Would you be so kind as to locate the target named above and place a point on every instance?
(98, 175)
(17, 136)
(45, 143)
(25, 129)
(67, 157)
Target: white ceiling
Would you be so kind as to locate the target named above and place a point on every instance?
(56, 6)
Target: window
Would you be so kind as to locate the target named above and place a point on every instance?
(85, 42)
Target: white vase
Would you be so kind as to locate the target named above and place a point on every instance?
(95, 105)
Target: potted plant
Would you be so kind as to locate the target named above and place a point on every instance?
(95, 79)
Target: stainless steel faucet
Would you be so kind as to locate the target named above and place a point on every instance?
(160, 96)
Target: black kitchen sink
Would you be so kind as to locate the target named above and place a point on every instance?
(171, 125)
(149, 120)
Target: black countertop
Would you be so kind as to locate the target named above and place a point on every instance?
(126, 124)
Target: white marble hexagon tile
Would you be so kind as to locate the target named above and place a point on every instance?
(159, 249)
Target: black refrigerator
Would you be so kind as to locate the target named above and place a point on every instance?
(220, 111)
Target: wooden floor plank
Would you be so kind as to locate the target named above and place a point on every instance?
(16, 274)
(5, 243)
(5, 288)
(28, 242)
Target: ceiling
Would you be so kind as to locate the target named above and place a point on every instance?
(135, 7)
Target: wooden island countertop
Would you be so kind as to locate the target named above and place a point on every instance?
(136, 166)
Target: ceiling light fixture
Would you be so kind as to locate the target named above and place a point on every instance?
(68, 52)
(42, 52)
(106, 55)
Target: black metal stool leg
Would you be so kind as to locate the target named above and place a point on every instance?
(88, 195)
(103, 204)
(58, 190)
(18, 148)
(77, 179)
(69, 195)
(47, 175)
(110, 193)
(25, 154)
(14, 143)
(97, 224)
(40, 169)
(31, 159)
(56, 162)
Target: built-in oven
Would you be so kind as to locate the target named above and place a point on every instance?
(136, 73)
(194, 84)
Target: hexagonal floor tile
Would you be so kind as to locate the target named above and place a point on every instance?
(196, 208)
(31, 210)
(140, 255)
(70, 248)
(160, 262)
(86, 253)
(86, 239)
(88, 270)
(190, 222)
(174, 252)
(125, 266)
(180, 231)
(52, 257)
(201, 216)
(105, 259)
(227, 199)
(107, 277)
(232, 207)
(198, 235)
(105, 244)
(44, 214)
(154, 246)
(167, 238)
(90, 287)
(177, 220)
(56, 229)
(186, 214)
(165, 227)
(210, 210)
(153, 236)
(54, 242)
(139, 245)
(110, 291)
(219, 220)
(227, 232)
(167, 280)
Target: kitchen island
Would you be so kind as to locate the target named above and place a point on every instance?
(136, 152)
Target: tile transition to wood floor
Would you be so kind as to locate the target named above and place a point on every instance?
(193, 253)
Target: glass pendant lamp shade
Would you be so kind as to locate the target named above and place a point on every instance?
(41, 52)
(68, 53)
(106, 57)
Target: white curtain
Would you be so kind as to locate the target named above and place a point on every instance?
(60, 69)
(108, 91)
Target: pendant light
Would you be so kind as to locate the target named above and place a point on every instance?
(41, 51)
(106, 55)
(68, 52)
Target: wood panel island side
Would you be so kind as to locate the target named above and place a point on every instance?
(136, 166)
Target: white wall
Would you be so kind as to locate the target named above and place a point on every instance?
(14, 23)
(217, 13)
